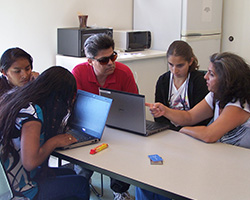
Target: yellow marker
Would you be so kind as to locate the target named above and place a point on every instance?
(98, 148)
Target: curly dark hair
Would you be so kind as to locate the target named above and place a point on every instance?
(183, 49)
(53, 91)
(233, 78)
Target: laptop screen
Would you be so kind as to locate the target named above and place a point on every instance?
(90, 113)
(5, 190)
(127, 111)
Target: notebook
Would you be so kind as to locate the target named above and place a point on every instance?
(5, 189)
(88, 118)
(128, 113)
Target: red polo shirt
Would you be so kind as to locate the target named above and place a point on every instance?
(122, 79)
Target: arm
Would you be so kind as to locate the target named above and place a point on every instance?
(162, 89)
(161, 95)
(230, 118)
(78, 72)
(197, 91)
(197, 88)
(199, 113)
(32, 154)
(132, 86)
(129, 83)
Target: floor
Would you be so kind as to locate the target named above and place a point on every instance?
(107, 192)
(96, 182)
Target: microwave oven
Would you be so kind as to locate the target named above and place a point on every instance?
(132, 40)
(70, 41)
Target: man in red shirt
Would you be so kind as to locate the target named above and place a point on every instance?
(101, 70)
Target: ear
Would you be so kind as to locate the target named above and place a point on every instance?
(90, 61)
(191, 61)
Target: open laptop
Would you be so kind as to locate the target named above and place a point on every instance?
(128, 113)
(88, 118)
(5, 189)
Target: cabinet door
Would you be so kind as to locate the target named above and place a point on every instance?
(201, 17)
(208, 44)
(236, 29)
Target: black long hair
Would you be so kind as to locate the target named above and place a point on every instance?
(7, 59)
(53, 91)
(11, 55)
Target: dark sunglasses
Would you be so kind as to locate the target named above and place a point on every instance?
(105, 60)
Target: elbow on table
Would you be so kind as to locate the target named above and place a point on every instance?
(207, 135)
(210, 139)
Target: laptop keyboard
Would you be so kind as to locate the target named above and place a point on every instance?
(153, 125)
(80, 137)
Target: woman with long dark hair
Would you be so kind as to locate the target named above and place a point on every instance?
(228, 80)
(30, 126)
(16, 67)
(183, 86)
(228, 103)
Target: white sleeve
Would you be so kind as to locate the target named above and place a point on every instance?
(209, 99)
(237, 104)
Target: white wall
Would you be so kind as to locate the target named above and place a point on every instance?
(32, 24)
(163, 19)
(236, 23)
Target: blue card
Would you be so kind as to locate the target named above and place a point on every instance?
(155, 159)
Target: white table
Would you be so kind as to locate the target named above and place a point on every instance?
(192, 169)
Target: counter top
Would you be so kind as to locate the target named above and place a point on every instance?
(138, 55)
(71, 62)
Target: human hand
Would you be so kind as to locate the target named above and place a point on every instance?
(64, 139)
(156, 109)
(34, 75)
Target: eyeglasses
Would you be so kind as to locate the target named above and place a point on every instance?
(105, 60)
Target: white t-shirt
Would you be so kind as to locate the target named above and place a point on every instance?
(179, 97)
(239, 136)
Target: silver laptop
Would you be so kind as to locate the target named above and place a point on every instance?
(128, 113)
(88, 118)
(5, 189)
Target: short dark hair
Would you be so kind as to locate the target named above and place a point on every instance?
(12, 55)
(183, 49)
(96, 43)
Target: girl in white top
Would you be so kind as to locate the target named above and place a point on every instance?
(228, 80)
